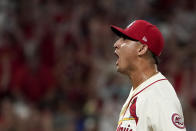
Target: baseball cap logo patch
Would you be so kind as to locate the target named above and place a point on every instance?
(178, 121)
(144, 39)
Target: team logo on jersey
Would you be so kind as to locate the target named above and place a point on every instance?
(178, 121)
(120, 128)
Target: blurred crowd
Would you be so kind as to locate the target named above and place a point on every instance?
(57, 68)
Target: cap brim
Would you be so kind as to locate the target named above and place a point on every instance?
(120, 32)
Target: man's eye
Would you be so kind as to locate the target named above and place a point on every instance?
(124, 38)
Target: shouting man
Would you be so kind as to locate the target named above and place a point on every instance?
(152, 104)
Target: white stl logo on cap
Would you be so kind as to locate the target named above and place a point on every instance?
(130, 24)
(178, 121)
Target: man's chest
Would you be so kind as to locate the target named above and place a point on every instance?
(128, 118)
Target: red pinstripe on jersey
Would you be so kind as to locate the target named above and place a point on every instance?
(133, 110)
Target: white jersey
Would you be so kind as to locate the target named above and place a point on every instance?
(152, 106)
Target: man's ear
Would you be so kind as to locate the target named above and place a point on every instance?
(142, 49)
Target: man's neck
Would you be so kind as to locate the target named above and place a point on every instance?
(140, 75)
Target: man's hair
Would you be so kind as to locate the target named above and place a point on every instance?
(156, 60)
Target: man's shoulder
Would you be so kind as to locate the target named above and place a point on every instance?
(159, 92)
(158, 98)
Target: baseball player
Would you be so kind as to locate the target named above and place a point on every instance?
(152, 104)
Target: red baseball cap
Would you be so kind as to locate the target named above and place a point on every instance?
(144, 32)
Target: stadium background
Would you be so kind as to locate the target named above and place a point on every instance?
(57, 68)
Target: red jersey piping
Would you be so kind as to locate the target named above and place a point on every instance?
(140, 92)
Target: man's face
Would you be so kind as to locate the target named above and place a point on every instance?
(126, 51)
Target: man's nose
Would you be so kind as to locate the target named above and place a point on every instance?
(117, 44)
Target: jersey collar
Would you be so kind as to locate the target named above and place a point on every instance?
(147, 83)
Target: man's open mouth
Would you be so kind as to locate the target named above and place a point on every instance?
(117, 56)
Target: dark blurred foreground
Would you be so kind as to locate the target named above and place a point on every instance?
(57, 69)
